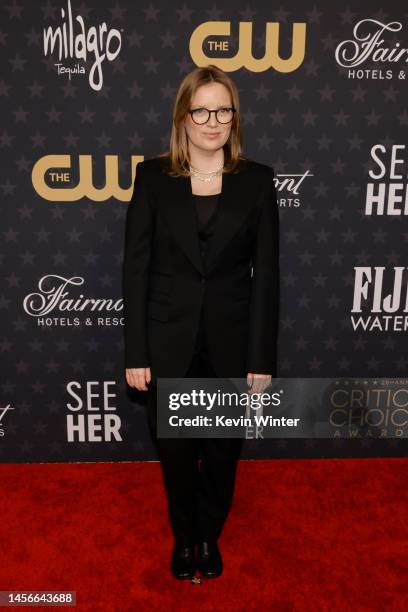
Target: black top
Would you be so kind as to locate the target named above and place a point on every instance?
(206, 207)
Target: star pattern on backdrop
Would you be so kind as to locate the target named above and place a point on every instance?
(315, 119)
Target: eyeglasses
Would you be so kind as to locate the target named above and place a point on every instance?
(202, 115)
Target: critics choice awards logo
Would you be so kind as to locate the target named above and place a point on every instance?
(369, 408)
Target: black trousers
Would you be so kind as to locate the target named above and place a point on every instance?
(198, 473)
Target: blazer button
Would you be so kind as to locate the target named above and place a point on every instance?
(203, 279)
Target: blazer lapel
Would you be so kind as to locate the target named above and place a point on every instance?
(234, 204)
(180, 215)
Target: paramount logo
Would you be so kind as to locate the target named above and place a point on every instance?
(97, 42)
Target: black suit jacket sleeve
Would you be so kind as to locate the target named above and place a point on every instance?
(264, 310)
(137, 250)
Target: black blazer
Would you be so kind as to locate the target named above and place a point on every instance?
(164, 284)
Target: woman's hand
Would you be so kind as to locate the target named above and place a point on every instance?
(138, 378)
(258, 382)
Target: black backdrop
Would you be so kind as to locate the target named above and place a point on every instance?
(323, 95)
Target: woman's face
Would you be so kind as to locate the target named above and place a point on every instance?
(212, 135)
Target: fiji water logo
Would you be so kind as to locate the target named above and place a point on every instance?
(73, 40)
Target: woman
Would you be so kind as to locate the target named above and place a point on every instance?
(201, 295)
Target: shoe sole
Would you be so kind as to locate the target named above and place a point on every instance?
(188, 577)
(205, 575)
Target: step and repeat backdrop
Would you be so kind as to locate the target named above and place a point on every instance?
(87, 91)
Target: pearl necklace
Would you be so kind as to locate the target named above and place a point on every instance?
(210, 175)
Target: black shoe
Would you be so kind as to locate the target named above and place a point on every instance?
(209, 559)
(183, 561)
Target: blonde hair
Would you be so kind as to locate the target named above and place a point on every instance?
(178, 156)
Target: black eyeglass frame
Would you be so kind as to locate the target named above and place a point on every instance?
(234, 110)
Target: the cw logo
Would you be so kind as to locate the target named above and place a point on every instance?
(244, 56)
(51, 166)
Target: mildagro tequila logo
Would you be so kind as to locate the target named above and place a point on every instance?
(98, 42)
(210, 30)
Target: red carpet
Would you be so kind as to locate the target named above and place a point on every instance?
(316, 534)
